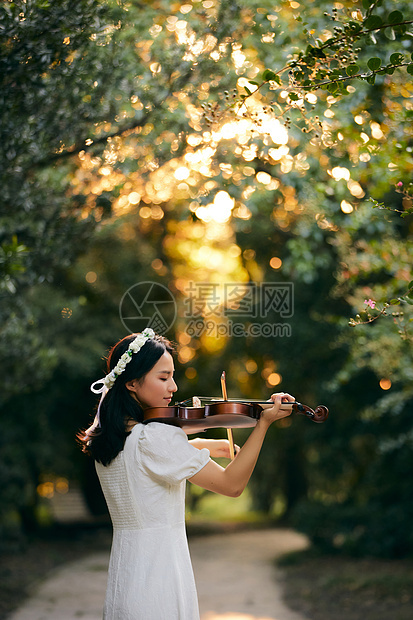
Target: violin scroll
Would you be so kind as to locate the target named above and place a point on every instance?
(318, 415)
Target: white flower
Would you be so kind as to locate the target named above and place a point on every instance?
(110, 379)
(134, 347)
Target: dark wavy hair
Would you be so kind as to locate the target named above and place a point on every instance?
(104, 443)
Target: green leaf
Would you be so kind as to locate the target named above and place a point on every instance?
(371, 78)
(253, 83)
(374, 63)
(394, 302)
(395, 17)
(366, 4)
(390, 34)
(248, 90)
(318, 53)
(335, 73)
(373, 22)
(354, 26)
(377, 205)
(268, 75)
(352, 69)
(400, 28)
(396, 58)
(410, 69)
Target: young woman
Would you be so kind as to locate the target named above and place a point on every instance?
(142, 470)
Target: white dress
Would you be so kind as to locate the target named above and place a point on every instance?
(150, 571)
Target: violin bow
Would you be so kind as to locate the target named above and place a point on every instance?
(229, 430)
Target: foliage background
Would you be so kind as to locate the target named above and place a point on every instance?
(214, 142)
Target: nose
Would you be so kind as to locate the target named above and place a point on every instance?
(172, 386)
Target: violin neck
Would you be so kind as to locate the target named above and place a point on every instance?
(219, 399)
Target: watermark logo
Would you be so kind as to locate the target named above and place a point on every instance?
(233, 329)
(212, 309)
(235, 309)
(147, 304)
(249, 300)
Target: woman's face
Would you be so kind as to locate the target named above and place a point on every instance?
(158, 386)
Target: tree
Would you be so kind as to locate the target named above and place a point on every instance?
(143, 172)
(46, 52)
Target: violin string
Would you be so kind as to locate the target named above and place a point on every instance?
(219, 399)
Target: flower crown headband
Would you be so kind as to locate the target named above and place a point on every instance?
(107, 382)
(135, 346)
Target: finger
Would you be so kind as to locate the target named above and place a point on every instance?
(288, 398)
(277, 397)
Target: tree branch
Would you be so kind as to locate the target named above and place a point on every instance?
(75, 149)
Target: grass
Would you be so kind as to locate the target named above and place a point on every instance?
(213, 507)
(339, 588)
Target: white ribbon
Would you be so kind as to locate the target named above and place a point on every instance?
(101, 389)
(107, 382)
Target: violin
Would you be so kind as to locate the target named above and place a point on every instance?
(223, 413)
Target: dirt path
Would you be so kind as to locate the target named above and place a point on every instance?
(235, 577)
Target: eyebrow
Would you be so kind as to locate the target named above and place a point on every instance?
(165, 372)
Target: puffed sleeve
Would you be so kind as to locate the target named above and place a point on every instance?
(166, 454)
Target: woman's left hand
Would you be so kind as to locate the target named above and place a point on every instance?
(280, 407)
